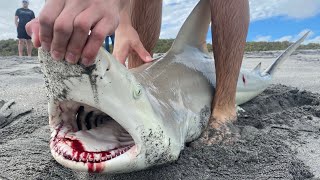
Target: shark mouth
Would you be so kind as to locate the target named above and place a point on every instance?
(87, 135)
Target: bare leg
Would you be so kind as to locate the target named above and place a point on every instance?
(20, 47)
(230, 21)
(146, 19)
(29, 47)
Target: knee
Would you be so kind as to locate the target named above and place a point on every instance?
(29, 42)
(21, 41)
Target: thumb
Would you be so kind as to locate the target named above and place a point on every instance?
(142, 52)
(32, 29)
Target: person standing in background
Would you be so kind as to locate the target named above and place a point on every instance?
(22, 17)
(106, 42)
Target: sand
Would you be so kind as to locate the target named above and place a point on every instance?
(280, 130)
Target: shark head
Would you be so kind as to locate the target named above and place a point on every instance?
(108, 119)
(100, 118)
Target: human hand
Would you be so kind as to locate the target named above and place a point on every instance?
(127, 40)
(64, 25)
(32, 29)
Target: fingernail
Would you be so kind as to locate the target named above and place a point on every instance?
(56, 55)
(71, 58)
(45, 46)
(149, 58)
(85, 61)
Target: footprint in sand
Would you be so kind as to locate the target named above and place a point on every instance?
(8, 113)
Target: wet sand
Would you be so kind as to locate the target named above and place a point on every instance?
(280, 130)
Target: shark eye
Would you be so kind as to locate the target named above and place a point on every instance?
(137, 91)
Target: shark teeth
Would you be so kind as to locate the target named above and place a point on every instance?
(87, 135)
(72, 149)
(63, 149)
(93, 157)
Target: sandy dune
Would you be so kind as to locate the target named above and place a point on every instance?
(280, 130)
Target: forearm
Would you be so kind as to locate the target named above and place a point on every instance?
(16, 21)
(230, 21)
(125, 17)
(124, 4)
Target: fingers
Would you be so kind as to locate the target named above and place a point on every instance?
(96, 38)
(121, 54)
(82, 25)
(63, 30)
(126, 41)
(138, 47)
(47, 18)
(32, 29)
(65, 25)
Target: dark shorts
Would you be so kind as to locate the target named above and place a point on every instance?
(22, 33)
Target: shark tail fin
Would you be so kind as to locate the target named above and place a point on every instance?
(273, 68)
(194, 30)
(257, 68)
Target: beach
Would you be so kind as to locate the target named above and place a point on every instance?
(280, 129)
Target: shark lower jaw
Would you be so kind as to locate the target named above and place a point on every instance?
(86, 139)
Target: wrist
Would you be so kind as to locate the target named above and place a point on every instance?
(125, 17)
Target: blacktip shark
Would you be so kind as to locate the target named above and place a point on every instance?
(108, 119)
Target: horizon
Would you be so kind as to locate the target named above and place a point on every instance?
(270, 21)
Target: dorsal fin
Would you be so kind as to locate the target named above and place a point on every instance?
(257, 68)
(194, 30)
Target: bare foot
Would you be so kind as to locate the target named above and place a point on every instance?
(227, 133)
(220, 129)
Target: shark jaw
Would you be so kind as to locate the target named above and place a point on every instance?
(101, 118)
(86, 138)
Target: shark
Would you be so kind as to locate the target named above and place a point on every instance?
(106, 118)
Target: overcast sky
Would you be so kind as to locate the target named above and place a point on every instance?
(271, 20)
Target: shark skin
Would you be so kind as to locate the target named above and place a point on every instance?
(108, 119)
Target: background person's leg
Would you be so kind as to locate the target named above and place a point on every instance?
(29, 47)
(230, 21)
(106, 44)
(20, 47)
(112, 40)
(146, 19)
